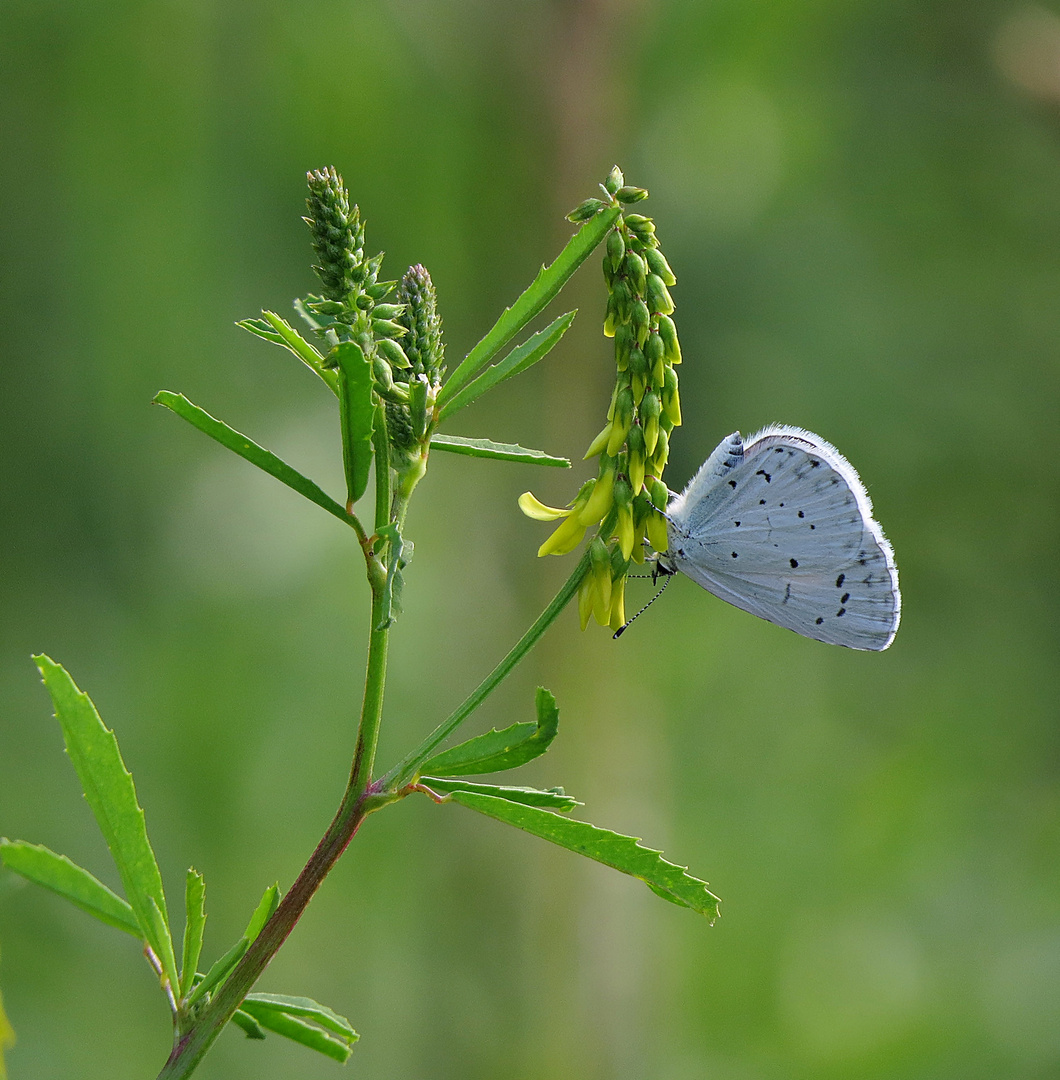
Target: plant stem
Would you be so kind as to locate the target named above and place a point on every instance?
(405, 770)
(356, 804)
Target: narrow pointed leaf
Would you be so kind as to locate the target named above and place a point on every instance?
(554, 799)
(305, 1007)
(109, 789)
(56, 872)
(251, 1028)
(263, 912)
(550, 279)
(194, 924)
(455, 444)
(518, 360)
(499, 750)
(291, 339)
(299, 1031)
(398, 557)
(250, 451)
(219, 970)
(357, 413)
(624, 853)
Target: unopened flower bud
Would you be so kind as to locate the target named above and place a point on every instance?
(585, 210)
(670, 398)
(599, 444)
(656, 530)
(659, 493)
(637, 455)
(668, 333)
(565, 538)
(384, 379)
(641, 319)
(614, 180)
(623, 418)
(657, 264)
(650, 408)
(616, 249)
(637, 272)
(662, 451)
(623, 344)
(624, 524)
(629, 194)
(600, 570)
(641, 227)
(392, 352)
(658, 296)
(602, 496)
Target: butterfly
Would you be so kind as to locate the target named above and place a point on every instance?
(781, 526)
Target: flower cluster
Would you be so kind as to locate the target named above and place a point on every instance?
(628, 495)
(352, 306)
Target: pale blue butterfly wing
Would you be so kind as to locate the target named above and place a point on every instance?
(782, 527)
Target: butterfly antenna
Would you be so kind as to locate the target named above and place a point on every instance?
(622, 629)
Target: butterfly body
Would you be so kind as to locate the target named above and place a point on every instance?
(781, 526)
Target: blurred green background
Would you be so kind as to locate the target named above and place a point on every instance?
(862, 204)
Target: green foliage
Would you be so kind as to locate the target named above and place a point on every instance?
(303, 1021)
(485, 448)
(249, 451)
(56, 872)
(551, 799)
(357, 411)
(499, 750)
(624, 853)
(194, 925)
(108, 787)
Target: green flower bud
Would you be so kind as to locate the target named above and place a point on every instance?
(611, 319)
(623, 296)
(654, 349)
(585, 210)
(670, 398)
(643, 228)
(650, 408)
(658, 296)
(641, 319)
(614, 180)
(637, 456)
(623, 345)
(622, 420)
(636, 270)
(600, 571)
(657, 264)
(337, 232)
(668, 333)
(638, 363)
(392, 352)
(662, 451)
(600, 500)
(630, 194)
(624, 525)
(387, 328)
(616, 249)
(423, 343)
(660, 495)
(386, 311)
(384, 379)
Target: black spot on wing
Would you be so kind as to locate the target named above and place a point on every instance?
(794, 564)
(818, 620)
(762, 472)
(732, 484)
(839, 581)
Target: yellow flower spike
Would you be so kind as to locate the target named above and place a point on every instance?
(657, 535)
(599, 443)
(599, 502)
(586, 596)
(565, 539)
(534, 508)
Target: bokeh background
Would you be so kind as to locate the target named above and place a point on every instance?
(862, 204)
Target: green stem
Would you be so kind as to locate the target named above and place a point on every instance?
(405, 770)
(357, 802)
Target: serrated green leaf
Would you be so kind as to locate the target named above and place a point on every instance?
(486, 448)
(553, 799)
(250, 1026)
(518, 360)
(499, 750)
(194, 924)
(109, 789)
(624, 853)
(306, 1007)
(550, 279)
(250, 451)
(298, 1030)
(56, 872)
(357, 413)
(269, 902)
